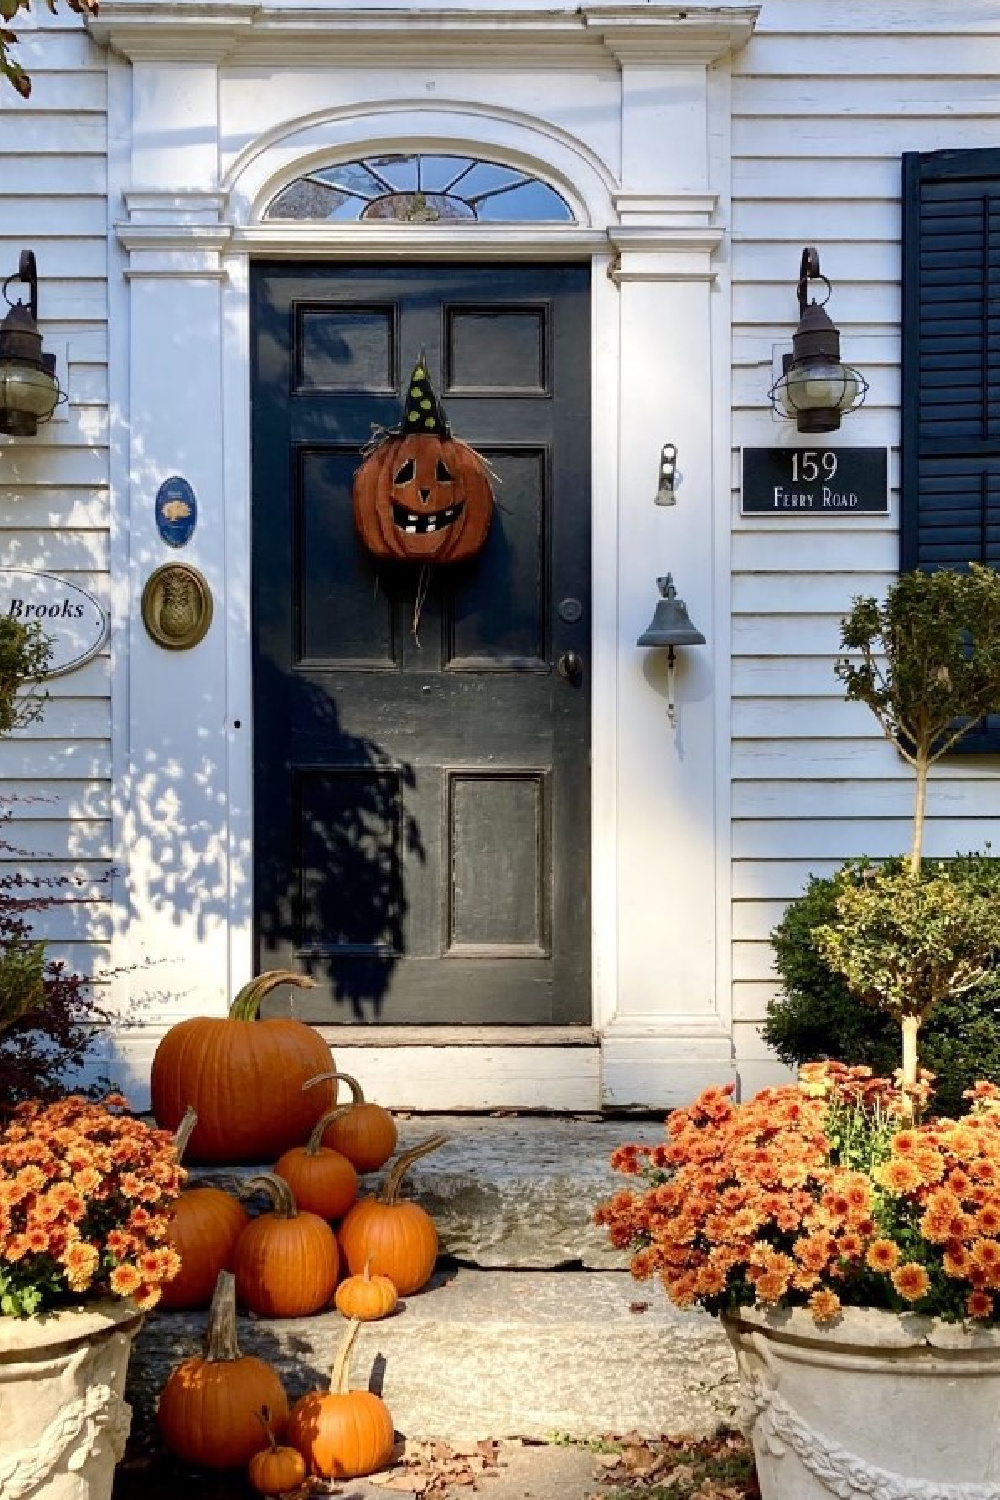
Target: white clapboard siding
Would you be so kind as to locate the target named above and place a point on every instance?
(948, 797)
(754, 921)
(55, 800)
(52, 466)
(55, 786)
(758, 838)
(91, 960)
(33, 508)
(56, 551)
(826, 98)
(30, 839)
(63, 919)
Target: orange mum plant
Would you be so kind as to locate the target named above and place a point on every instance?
(821, 1194)
(85, 1197)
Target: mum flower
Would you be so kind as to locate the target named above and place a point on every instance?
(822, 1196)
(72, 1176)
(911, 1281)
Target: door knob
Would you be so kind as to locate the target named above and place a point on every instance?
(570, 666)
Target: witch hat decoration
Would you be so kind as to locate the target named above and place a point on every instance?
(423, 410)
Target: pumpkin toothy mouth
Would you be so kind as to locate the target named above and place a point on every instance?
(414, 525)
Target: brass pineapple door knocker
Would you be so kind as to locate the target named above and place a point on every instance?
(176, 606)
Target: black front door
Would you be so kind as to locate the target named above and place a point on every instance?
(422, 791)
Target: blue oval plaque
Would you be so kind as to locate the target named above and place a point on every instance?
(176, 511)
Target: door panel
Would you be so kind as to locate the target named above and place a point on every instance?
(422, 788)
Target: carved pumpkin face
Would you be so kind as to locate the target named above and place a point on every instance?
(423, 498)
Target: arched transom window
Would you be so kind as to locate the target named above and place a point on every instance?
(420, 188)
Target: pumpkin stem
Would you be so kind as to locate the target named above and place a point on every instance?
(273, 1187)
(246, 1006)
(185, 1131)
(357, 1097)
(264, 1416)
(341, 1370)
(316, 1139)
(404, 1162)
(367, 1272)
(221, 1346)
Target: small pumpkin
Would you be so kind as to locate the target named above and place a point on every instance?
(205, 1224)
(208, 1407)
(277, 1468)
(285, 1262)
(421, 495)
(399, 1239)
(323, 1180)
(366, 1297)
(342, 1434)
(243, 1076)
(365, 1133)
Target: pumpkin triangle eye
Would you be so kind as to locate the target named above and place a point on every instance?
(404, 473)
(442, 473)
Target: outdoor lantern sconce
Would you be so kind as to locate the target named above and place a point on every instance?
(816, 388)
(29, 390)
(671, 627)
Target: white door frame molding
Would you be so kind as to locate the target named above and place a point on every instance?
(649, 221)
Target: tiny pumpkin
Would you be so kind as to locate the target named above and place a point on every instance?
(322, 1178)
(421, 495)
(342, 1434)
(366, 1297)
(278, 1468)
(244, 1076)
(205, 1224)
(399, 1239)
(207, 1414)
(363, 1132)
(285, 1262)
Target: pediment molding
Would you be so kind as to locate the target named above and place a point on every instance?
(213, 31)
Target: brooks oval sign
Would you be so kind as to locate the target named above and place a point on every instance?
(74, 622)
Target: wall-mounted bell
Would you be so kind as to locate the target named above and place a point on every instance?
(671, 627)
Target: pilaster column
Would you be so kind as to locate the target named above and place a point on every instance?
(175, 796)
(671, 1033)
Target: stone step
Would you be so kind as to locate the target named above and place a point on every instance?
(481, 1354)
(514, 1191)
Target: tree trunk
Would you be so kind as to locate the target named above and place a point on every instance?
(919, 809)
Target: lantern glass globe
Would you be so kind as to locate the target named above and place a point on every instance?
(27, 396)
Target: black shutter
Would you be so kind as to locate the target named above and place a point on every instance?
(950, 462)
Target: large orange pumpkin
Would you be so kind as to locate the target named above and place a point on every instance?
(363, 1132)
(342, 1434)
(209, 1407)
(243, 1076)
(399, 1240)
(205, 1224)
(420, 495)
(285, 1262)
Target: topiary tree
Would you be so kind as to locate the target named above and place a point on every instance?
(928, 667)
(817, 1015)
(9, 67)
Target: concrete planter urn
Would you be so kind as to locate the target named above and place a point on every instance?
(63, 1419)
(874, 1406)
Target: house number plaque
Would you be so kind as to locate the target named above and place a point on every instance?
(815, 482)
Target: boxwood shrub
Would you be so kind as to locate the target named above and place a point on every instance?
(816, 1015)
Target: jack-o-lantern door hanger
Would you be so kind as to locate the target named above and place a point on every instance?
(420, 495)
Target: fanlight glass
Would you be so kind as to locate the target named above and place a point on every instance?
(420, 188)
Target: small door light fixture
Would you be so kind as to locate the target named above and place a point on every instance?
(816, 389)
(671, 627)
(29, 390)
